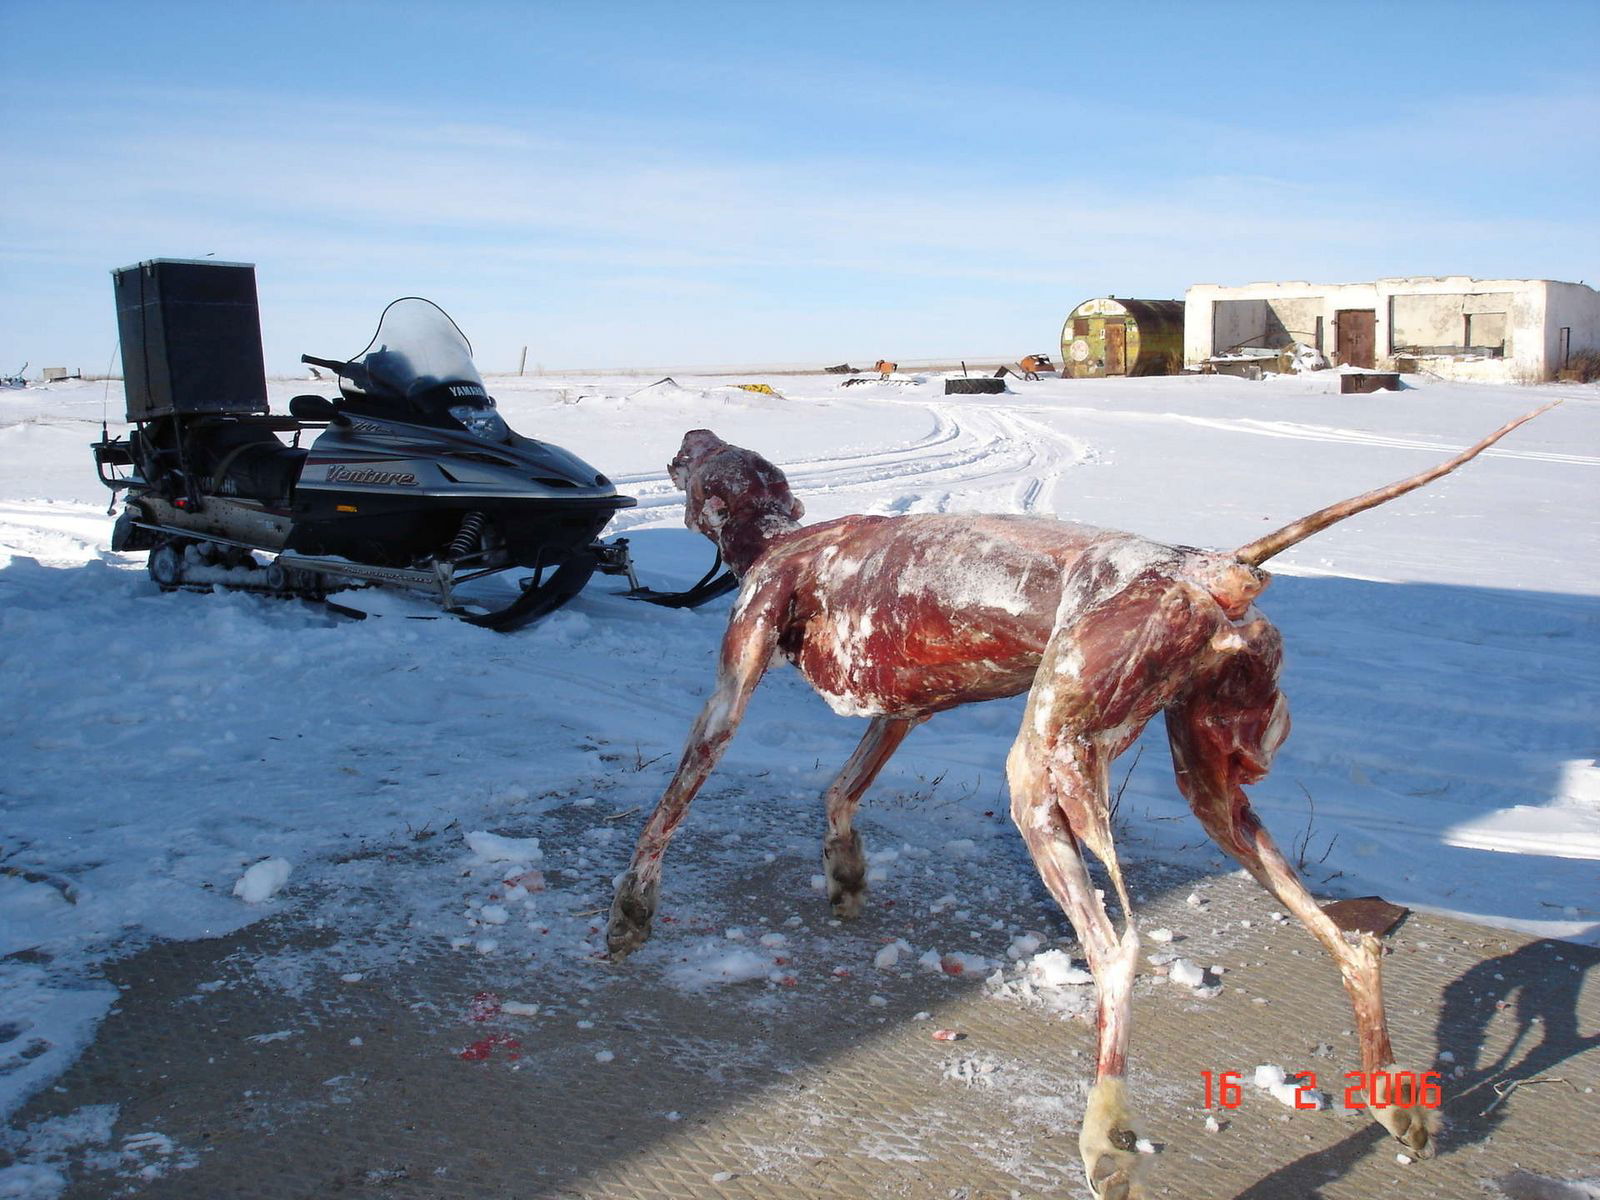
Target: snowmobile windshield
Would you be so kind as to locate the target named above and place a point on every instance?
(420, 363)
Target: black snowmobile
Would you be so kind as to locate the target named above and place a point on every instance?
(415, 481)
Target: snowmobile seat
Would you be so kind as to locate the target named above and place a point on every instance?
(244, 459)
(262, 472)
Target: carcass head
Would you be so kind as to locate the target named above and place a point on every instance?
(734, 496)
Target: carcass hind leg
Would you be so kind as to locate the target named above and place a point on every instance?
(1216, 748)
(1053, 796)
(844, 861)
(1102, 677)
(747, 649)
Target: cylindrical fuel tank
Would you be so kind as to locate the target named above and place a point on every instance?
(1111, 336)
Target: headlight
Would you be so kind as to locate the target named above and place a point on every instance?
(484, 422)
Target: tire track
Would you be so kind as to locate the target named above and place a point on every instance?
(974, 451)
(1296, 431)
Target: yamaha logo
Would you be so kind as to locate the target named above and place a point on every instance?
(466, 389)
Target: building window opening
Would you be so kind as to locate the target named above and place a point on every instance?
(1486, 334)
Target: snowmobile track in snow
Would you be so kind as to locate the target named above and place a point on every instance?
(984, 451)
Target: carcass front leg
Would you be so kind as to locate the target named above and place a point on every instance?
(1223, 735)
(747, 649)
(844, 861)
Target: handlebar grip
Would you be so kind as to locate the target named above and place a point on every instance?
(332, 364)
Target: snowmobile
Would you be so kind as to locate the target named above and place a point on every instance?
(415, 482)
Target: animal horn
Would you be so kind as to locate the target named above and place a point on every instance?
(1257, 552)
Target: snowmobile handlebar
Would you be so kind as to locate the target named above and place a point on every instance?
(356, 373)
(342, 368)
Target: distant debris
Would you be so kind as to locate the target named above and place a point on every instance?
(974, 385)
(1362, 382)
(1033, 364)
(1253, 362)
(843, 368)
(15, 381)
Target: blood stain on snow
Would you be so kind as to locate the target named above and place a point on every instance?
(483, 1049)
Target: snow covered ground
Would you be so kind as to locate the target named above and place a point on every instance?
(1442, 669)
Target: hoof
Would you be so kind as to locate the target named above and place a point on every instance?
(631, 913)
(1110, 1179)
(1415, 1128)
(844, 865)
(1107, 1144)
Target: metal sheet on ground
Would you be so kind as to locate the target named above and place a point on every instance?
(416, 1081)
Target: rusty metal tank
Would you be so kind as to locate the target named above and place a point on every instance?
(1109, 336)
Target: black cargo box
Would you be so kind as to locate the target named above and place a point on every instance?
(191, 338)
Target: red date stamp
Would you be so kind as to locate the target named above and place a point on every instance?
(1364, 1089)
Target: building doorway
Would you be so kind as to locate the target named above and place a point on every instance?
(1116, 348)
(1357, 335)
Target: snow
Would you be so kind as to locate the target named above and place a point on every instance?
(713, 965)
(1441, 667)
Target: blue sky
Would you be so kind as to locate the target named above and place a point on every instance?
(614, 184)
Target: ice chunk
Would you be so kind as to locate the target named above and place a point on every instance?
(262, 881)
(1185, 972)
(961, 962)
(1293, 1094)
(734, 965)
(1268, 1075)
(1054, 968)
(492, 847)
(1287, 1090)
(888, 956)
(1025, 944)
